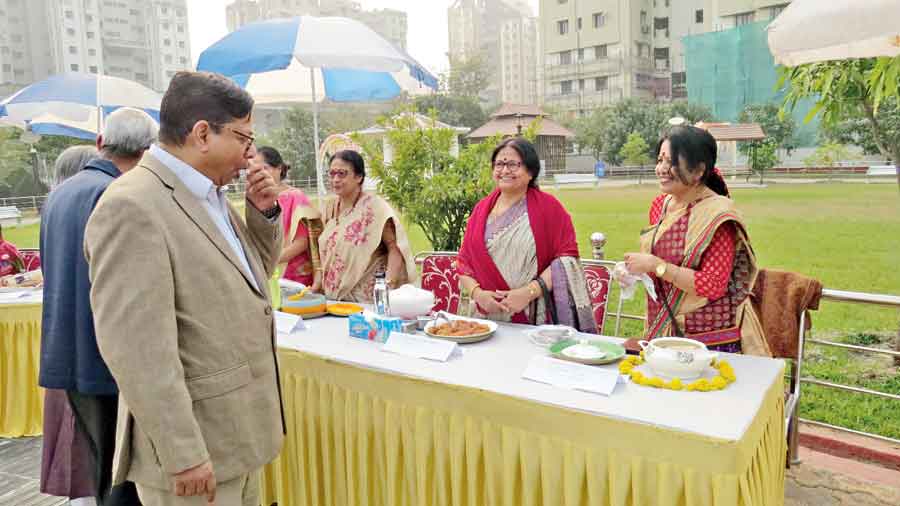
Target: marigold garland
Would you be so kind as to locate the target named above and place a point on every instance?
(723, 379)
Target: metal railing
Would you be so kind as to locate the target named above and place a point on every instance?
(891, 301)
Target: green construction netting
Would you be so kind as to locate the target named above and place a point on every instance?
(731, 69)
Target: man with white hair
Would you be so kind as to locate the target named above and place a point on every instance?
(70, 359)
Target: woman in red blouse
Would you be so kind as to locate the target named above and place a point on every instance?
(697, 251)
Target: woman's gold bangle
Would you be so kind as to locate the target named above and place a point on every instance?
(531, 291)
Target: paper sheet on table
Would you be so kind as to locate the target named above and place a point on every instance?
(287, 323)
(571, 375)
(24, 296)
(420, 347)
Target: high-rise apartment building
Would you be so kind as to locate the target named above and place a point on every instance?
(389, 23)
(477, 28)
(143, 40)
(241, 12)
(520, 52)
(599, 51)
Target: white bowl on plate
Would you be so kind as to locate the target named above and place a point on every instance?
(548, 335)
(409, 302)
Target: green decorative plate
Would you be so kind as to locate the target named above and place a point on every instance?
(612, 352)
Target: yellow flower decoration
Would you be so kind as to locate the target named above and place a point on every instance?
(725, 377)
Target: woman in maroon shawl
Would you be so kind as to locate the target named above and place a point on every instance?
(519, 257)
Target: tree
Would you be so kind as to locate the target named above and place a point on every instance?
(626, 117)
(856, 130)
(778, 128)
(467, 77)
(607, 129)
(763, 155)
(426, 183)
(453, 110)
(848, 89)
(17, 170)
(634, 152)
(294, 139)
(827, 155)
(589, 132)
(691, 112)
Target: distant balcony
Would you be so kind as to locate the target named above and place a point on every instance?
(124, 43)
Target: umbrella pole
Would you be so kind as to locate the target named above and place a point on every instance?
(99, 108)
(320, 184)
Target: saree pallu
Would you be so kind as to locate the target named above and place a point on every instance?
(297, 214)
(681, 238)
(352, 251)
(511, 250)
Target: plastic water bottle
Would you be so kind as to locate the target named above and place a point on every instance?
(464, 308)
(381, 296)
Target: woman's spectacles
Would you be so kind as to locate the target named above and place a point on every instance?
(510, 165)
(338, 174)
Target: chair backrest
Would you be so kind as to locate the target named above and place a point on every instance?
(31, 258)
(439, 277)
(598, 279)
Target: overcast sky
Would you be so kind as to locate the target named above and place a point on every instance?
(426, 38)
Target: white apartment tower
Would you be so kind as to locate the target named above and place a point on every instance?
(389, 23)
(143, 40)
(479, 27)
(520, 53)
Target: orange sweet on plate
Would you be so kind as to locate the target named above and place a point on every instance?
(344, 309)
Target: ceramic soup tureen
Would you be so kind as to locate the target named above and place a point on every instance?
(677, 357)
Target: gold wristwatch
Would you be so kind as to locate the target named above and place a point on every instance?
(661, 269)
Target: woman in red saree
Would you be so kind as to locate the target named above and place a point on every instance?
(697, 251)
(519, 256)
(296, 214)
(10, 259)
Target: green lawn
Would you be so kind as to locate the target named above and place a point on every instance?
(846, 235)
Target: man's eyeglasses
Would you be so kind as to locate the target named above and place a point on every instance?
(246, 138)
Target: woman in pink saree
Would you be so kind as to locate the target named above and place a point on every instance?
(297, 215)
(519, 257)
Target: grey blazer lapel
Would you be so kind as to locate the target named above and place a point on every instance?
(195, 211)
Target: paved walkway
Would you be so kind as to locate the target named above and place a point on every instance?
(20, 473)
(821, 480)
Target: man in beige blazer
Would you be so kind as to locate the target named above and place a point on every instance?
(181, 305)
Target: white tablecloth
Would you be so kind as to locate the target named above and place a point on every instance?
(497, 364)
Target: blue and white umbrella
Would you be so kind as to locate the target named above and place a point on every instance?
(310, 59)
(49, 124)
(74, 103)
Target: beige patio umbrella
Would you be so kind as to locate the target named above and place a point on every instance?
(810, 31)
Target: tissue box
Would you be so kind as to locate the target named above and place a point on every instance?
(361, 328)
(373, 328)
(387, 324)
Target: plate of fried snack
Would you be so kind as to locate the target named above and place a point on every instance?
(459, 329)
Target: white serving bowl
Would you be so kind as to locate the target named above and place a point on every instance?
(409, 302)
(677, 357)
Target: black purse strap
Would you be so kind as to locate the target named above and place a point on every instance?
(676, 330)
(548, 300)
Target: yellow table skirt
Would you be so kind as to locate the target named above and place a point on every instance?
(361, 437)
(21, 400)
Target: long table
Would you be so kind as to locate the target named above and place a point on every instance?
(369, 427)
(21, 401)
